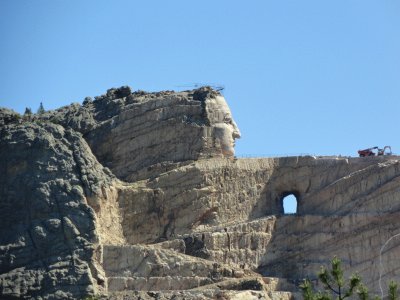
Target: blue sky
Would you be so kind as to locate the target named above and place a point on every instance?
(318, 77)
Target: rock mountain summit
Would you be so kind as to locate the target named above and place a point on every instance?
(137, 195)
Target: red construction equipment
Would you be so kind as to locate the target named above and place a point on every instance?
(382, 151)
(379, 152)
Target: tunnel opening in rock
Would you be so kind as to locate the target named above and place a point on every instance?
(289, 203)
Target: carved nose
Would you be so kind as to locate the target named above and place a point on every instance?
(236, 134)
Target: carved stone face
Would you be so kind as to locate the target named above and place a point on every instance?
(224, 127)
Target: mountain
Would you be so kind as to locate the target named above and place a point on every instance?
(136, 195)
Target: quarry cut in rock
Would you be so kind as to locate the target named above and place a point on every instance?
(136, 195)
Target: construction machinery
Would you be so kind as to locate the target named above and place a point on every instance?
(375, 151)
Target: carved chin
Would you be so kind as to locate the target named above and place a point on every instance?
(228, 150)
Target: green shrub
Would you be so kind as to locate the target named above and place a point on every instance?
(335, 286)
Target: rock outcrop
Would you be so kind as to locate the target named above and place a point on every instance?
(138, 135)
(138, 195)
(48, 231)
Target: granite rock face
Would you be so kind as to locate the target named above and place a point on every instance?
(347, 207)
(140, 134)
(137, 195)
(8, 116)
(48, 238)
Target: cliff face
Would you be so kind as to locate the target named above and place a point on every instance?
(48, 230)
(138, 135)
(137, 192)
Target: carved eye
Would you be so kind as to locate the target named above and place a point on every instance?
(227, 119)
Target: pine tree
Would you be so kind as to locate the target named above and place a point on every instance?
(41, 109)
(28, 111)
(393, 291)
(336, 287)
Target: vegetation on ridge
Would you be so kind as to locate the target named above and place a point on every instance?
(336, 287)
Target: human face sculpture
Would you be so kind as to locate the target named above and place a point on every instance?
(224, 127)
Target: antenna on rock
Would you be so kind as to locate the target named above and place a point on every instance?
(195, 85)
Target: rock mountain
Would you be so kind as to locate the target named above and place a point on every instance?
(137, 195)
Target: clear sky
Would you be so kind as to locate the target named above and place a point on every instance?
(318, 77)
